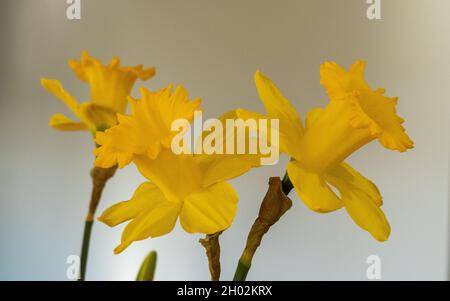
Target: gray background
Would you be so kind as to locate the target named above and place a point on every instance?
(213, 49)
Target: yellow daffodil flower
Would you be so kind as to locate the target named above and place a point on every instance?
(355, 116)
(191, 187)
(110, 85)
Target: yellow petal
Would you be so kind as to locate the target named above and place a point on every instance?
(356, 195)
(245, 115)
(210, 210)
(338, 81)
(55, 87)
(113, 146)
(79, 66)
(146, 197)
(221, 167)
(217, 168)
(150, 223)
(99, 117)
(366, 214)
(312, 189)
(176, 175)
(278, 107)
(148, 129)
(312, 116)
(353, 178)
(109, 154)
(63, 123)
(145, 74)
(268, 137)
(263, 132)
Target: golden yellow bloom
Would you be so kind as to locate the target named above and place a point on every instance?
(110, 85)
(355, 116)
(191, 187)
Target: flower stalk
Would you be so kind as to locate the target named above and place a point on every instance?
(212, 247)
(99, 178)
(273, 206)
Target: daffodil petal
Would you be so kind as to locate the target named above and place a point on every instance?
(312, 116)
(146, 73)
(99, 117)
(210, 210)
(63, 123)
(55, 87)
(278, 107)
(338, 81)
(107, 155)
(353, 178)
(245, 115)
(217, 167)
(313, 189)
(266, 133)
(366, 214)
(146, 197)
(150, 223)
(176, 175)
(356, 196)
(78, 67)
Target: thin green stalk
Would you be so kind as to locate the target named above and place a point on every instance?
(99, 178)
(85, 248)
(241, 271)
(286, 184)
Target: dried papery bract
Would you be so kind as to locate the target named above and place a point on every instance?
(273, 207)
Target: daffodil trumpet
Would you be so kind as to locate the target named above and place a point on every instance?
(109, 87)
(355, 116)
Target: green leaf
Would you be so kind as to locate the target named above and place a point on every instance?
(148, 266)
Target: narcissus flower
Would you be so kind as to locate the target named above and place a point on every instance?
(191, 187)
(355, 116)
(110, 85)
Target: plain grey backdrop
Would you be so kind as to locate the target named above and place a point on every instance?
(213, 48)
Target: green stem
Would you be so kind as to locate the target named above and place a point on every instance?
(241, 271)
(259, 228)
(286, 184)
(85, 248)
(99, 178)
